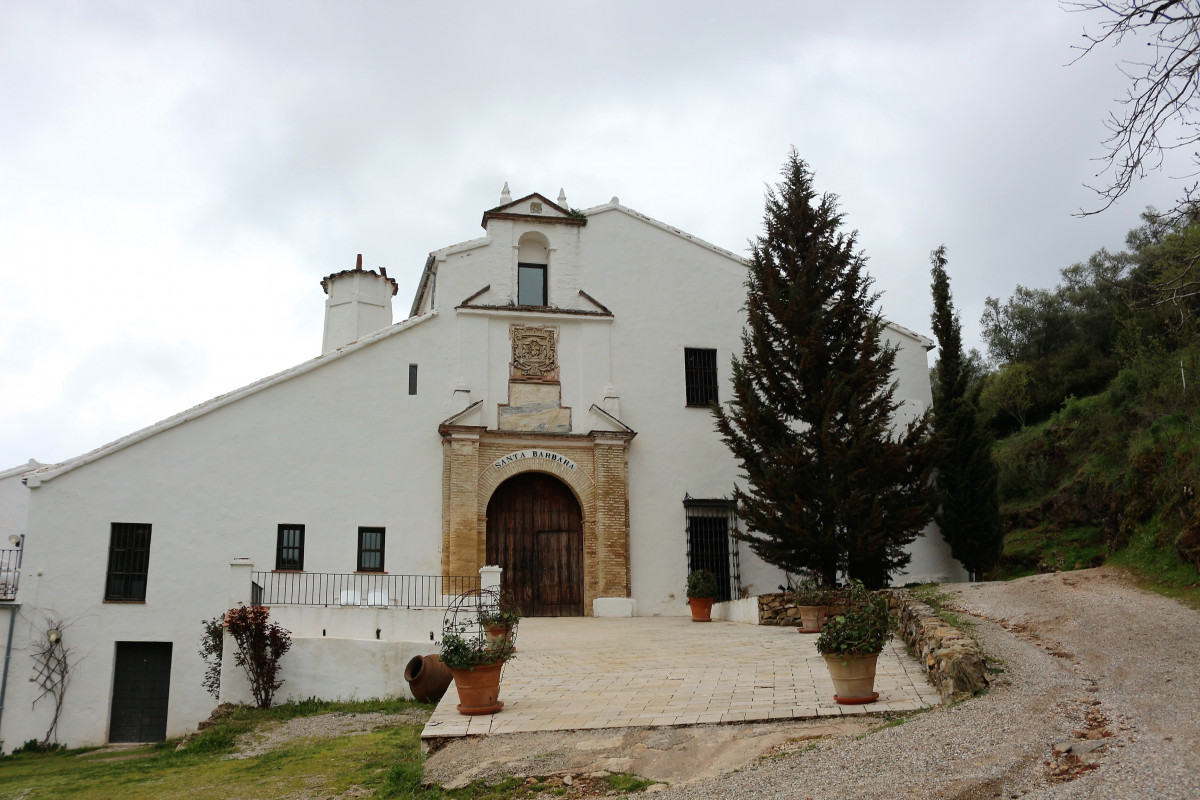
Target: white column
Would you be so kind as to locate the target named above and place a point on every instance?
(489, 578)
(241, 577)
(235, 686)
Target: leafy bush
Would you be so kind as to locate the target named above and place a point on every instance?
(260, 646)
(810, 592)
(702, 583)
(862, 630)
(39, 748)
(212, 646)
(504, 614)
(462, 648)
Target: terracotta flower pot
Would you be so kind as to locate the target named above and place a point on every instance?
(853, 677)
(428, 678)
(498, 633)
(811, 618)
(478, 689)
(701, 608)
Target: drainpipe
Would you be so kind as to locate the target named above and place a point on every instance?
(12, 618)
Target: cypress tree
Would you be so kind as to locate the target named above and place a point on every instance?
(829, 484)
(968, 506)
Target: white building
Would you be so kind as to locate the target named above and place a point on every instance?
(544, 407)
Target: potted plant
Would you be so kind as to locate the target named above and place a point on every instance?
(499, 621)
(475, 661)
(812, 601)
(701, 589)
(851, 643)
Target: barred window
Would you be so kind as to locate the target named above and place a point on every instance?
(712, 545)
(700, 375)
(128, 561)
(370, 549)
(289, 547)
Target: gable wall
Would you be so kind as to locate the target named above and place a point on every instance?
(333, 448)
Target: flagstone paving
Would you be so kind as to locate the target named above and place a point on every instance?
(585, 673)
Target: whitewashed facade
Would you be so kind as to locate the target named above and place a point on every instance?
(545, 359)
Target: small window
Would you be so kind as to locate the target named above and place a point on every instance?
(412, 378)
(370, 549)
(700, 375)
(531, 284)
(289, 547)
(128, 561)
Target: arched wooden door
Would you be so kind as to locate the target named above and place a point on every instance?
(535, 533)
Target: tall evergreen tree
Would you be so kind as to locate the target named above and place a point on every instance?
(968, 503)
(830, 484)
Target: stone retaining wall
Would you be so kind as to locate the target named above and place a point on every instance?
(954, 662)
(775, 609)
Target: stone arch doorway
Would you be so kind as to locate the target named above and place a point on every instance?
(535, 533)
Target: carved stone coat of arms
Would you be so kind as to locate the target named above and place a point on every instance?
(534, 353)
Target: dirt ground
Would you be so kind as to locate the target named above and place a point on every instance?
(1096, 695)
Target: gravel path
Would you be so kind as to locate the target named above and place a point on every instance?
(1089, 662)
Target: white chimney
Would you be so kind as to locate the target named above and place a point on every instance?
(359, 303)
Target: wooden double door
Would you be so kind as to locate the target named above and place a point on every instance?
(535, 533)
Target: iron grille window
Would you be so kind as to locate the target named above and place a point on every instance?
(531, 284)
(289, 547)
(128, 561)
(412, 378)
(370, 549)
(712, 543)
(700, 375)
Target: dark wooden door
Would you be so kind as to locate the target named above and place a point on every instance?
(141, 689)
(535, 533)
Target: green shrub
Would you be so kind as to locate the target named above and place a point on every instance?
(862, 630)
(702, 583)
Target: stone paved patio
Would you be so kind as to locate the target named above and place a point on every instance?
(586, 673)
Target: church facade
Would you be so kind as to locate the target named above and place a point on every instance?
(545, 407)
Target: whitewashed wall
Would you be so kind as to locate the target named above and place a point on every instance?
(332, 448)
(338, 442)
(14, 501)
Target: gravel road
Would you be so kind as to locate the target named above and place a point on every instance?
(1090, 663)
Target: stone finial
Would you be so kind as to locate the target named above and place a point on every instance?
(562, 197)
(616, 201)
(505, 195)
(358, 264)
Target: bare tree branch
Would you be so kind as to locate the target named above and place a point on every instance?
(1164, 91)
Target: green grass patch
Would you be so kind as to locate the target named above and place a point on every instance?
(622, 782)
(935, 596)
(1156, 568)
(1030, 551)
(384, 763)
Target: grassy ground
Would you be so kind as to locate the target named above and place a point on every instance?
(385, 763)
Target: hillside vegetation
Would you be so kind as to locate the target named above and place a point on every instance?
(1109, 476)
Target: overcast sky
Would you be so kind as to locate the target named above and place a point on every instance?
(176, 178)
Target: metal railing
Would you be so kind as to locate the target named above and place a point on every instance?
(10, 573)
(360, 588)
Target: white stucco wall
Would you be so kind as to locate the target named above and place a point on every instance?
(14, 501)
(332, 448)
(338, 443)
